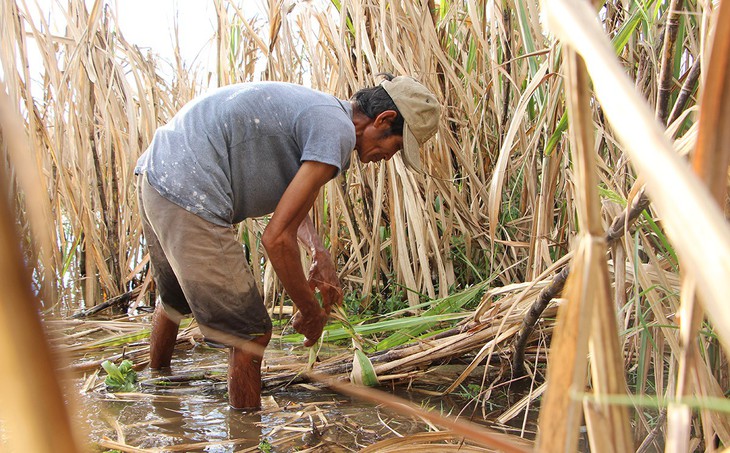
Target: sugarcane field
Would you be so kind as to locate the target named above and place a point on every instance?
(364, 226)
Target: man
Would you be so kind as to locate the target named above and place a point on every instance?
(244, 151)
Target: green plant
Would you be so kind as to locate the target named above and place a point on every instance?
(265, 446)
(470, 391)
(363, 372)
(120, 378)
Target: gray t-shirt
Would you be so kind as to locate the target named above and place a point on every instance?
(230, 154)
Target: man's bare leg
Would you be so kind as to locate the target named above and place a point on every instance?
(162, 339)
(244, 374)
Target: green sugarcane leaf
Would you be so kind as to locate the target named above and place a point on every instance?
(363, 372)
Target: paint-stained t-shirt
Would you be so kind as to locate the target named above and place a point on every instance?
(230, 154)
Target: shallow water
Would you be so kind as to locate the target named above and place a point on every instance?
(195, 417)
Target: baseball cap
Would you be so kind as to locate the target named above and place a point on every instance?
(420, 111)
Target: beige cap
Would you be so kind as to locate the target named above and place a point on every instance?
(420, 111)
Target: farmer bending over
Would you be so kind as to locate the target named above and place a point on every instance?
(244, 151)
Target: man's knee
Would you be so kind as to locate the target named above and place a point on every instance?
(252, 349)
(263, 339)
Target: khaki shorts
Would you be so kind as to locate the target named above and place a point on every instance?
(200, 268)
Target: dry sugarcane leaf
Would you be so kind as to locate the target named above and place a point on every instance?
(694, 223)
(34, 407)
(710, 161)
(500, 170)
(604, 420)
(560, 412)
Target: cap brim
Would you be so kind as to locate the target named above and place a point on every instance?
(411, 150)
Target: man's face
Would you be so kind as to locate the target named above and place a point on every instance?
(376, 144)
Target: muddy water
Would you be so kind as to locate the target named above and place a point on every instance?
(195, 416)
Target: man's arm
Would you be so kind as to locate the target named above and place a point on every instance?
(322, 272)
(280, 241)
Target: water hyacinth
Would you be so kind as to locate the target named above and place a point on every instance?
(120, 378)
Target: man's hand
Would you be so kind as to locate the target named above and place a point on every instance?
(322, 273)
(310, 325)
(322, 276)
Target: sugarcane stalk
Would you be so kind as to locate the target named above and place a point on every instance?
(665, 74)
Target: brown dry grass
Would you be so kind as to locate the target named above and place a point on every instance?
(509, 197)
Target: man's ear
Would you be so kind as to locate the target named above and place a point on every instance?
(385, 119)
